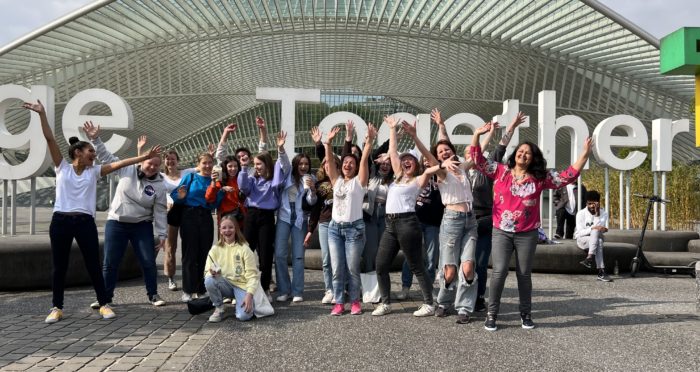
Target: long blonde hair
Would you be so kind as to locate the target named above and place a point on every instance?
(239, 237)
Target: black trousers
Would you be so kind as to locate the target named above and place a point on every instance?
(62, 230)
(564, 218)
(259, 231)
(403, 233)
(197, 234)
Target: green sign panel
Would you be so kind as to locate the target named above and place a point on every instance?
(680, 52)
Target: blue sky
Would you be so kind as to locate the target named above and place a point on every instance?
(658, 17)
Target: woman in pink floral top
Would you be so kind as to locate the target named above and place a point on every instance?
(516, 215)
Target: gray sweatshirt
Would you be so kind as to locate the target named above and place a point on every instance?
(136, 199)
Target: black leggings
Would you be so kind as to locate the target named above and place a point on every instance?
(259, 231)
(403, 233)
(65, 227)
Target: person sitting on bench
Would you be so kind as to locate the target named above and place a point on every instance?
(590, 227)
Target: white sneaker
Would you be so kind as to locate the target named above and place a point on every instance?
(218, 314)
(425, 310)
(172, 285)
(298, 299)
(382, 309)
(157, 301)
(106, 312)
(96, 305)
(327, 298)
(186, 297)
(282, 298)
(403, 294)
(227, 300)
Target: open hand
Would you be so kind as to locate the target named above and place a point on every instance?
(316, 135)
(36, 107)
(91, 130)
(332, 134)
(437, 117)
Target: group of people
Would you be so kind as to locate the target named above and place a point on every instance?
(446, 215)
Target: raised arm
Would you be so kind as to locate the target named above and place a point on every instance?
(519, 119)
(488, 167)
(140, 143)
(54, 150)
(489, 135)
(262, 132)
(330, 156)
(442, 130)
(111, 167)
(347, 144)
(411, 131)
(282, 165)
(103, 155)
(363, 175)
(220, 148)
(316, 137)
(587, 146)
(393, 145)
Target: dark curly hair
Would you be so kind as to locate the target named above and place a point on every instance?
(537, 167)
(224, 169)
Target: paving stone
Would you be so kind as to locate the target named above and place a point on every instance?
(121, 367)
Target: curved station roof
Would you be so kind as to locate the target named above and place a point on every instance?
(187, 66)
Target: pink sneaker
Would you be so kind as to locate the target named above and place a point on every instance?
(356, 308)
(338, 309)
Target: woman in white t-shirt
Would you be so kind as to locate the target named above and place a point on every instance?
(346, 231)
(403, 230)
(74, 212)
(172, 175)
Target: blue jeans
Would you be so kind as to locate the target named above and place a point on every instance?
(325, 256)
(283, 231)
(431, 251)
(458, 243)
(117, 236)
(483, 252)
(218, 288)
(346, 241)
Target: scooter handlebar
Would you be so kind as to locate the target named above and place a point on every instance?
(653, 198)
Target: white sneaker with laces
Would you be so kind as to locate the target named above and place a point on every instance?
(327, 298)
(382, 309)
(297, 299)
(425, 310)
(96, 305)
(157, 301)
(218, 314)
(172, 285)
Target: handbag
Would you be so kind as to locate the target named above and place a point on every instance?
(199, 305)
(370, 288)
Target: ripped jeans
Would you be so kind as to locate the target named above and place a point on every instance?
(457, 245)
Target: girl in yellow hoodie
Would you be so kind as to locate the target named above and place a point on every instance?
(231, 271)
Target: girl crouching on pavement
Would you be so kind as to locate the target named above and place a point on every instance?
(231, 271)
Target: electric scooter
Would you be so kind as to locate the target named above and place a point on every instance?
(640, 260)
